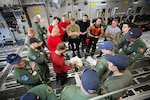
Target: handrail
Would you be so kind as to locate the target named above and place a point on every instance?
(140, 96)
(7, 68)
(120, 90)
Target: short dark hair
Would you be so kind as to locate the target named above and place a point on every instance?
(72, 19)
(116, 20)
(85, 15)
(57, 18)
(128, 23)
(61, 46)
(99, 18)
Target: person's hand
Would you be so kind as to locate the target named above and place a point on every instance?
(64, 57)
(77, 33)
(90, 63)
(32, 65)
(73, 62)
(120, 50)
(67, 62)
(79, 68)
(96, 59)
(63, 29)
(34, 73)
(41, 53)
(82, 33)
(120, 98)
(91, 35)
(40, 43)
(96, 36)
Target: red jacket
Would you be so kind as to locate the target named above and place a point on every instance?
(64, 24)
(61, 30)
(52, 42)
(59, 63)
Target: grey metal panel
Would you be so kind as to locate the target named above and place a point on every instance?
(40, 9)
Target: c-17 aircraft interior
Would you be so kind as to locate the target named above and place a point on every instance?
(74, 49)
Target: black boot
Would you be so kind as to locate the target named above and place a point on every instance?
(73, 54)
(92, 54)
(87, 50)
(79, 55)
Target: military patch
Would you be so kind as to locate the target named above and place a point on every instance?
(24, 78)
(49, 89)
(33, 57)
(141, 50)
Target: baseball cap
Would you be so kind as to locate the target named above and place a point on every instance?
(90, 80)
(32, 40)
(134, 33)
(29, 96)
(119, 60)
(108, 45)
(13, 58)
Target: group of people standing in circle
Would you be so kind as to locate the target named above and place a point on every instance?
(118, 53)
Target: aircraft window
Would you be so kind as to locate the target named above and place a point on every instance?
(138, 9)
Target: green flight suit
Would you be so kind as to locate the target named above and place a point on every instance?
(39, 32)
(24, 75)
(134, 51)
(102, 69)
(120, 44)
(44, 91)
(118, 82)
(117, 38)
(40, 48)
(39, 58)
(73, 92)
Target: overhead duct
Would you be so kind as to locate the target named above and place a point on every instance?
(128, 10)
(113, 12)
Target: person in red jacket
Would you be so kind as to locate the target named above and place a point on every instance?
(58, 62)
(63, 24)
(55, 22)
(54, 39)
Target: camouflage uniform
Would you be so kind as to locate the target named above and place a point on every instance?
(39, 58)
(44, 91)
(24, 75)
